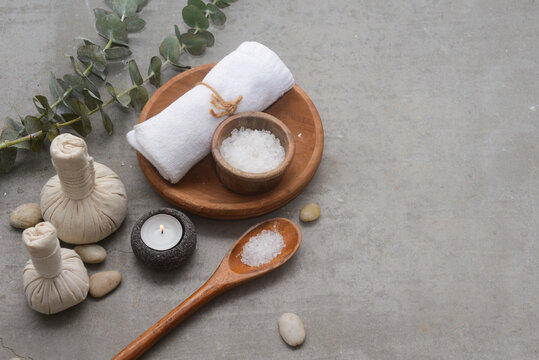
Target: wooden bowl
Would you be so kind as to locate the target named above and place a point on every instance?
(200, 191)
(247, 183)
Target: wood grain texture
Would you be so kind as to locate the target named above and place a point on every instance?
(242, 182)
(200, 191)
(230, 273)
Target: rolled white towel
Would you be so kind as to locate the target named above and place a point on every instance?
(180, 136)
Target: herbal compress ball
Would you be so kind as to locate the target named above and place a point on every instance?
(86, 201)
(54, 279)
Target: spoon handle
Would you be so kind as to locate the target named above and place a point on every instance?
(208, 291)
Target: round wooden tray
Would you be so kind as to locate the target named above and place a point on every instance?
(201, 193)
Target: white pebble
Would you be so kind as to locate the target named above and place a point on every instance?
(25, 216)
(253, 151)
(309, 212)
(91, 254)
(291, 329)
(104, 282)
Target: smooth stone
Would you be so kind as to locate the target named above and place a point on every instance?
(104, 282)
(91, 254)
(25, 216)
(291, 329)
(309, 212)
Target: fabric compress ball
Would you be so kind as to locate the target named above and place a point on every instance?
(55, 278)
(86, 201)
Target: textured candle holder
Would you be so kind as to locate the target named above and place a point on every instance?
(164, 259)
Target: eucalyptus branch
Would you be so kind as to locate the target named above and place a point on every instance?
(77, 97)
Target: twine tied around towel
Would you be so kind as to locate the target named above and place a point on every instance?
(228, 107)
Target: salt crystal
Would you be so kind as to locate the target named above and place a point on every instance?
(262, 248)
(254, 151)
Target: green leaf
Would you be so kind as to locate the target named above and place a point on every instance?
(170, 49)
(111, 27)
(195, 44)
(91, 101)
(139, 97)
(141, 4)
(117, 53)
(83, 126)
(43, 107)
(222, 4)
(98, 12)
(125, 7)
(208, 36)
(107, 123)
(177, 32)
(101, 74)
(8, 155)
(134, 72)
(75, 82)
(195, 17)
(155, 67)
(134, 23)
(76, 66)
(86, 40)
(88, 84)
(198, 3)
(217, 17)
(92, 54)
(14, 124)
(53, 132)
(123, 100)
(57, 92)
(33, 125)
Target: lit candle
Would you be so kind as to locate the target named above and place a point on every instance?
(161, 232)
(162, 239)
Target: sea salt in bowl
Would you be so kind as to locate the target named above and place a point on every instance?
(244, 182)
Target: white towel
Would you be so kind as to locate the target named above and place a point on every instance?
(180, 136)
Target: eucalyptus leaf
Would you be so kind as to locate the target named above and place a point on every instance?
(177, 32)
(98, 12)
(170, 49)
(14, 124)
(107, 123)
(217, 17)
(135, 73)
(117, 53)
(208, 36)
(198, 3)
(123, 100)
(134, 23)
(101, 74)
(83, 126)
(76, 66)
(125, 7)
(43, 107)
(141, 4)
(155, 68)
(195, 44)
(220, 4)
(139, 97)
(88, 84)
(57, 92)
(52, 133)
(8, 155)
(86, 40)
(92, 54)
(75, 82)
(195, 17)
(32, 126)
(91, 101)
(111, 27)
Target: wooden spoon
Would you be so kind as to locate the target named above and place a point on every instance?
(230, 273)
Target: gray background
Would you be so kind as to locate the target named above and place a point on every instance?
(427, 247)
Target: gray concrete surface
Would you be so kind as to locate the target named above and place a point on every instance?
(429, 186)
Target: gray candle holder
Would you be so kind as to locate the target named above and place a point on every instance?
(164, 259)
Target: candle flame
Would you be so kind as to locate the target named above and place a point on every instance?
(162, 228)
